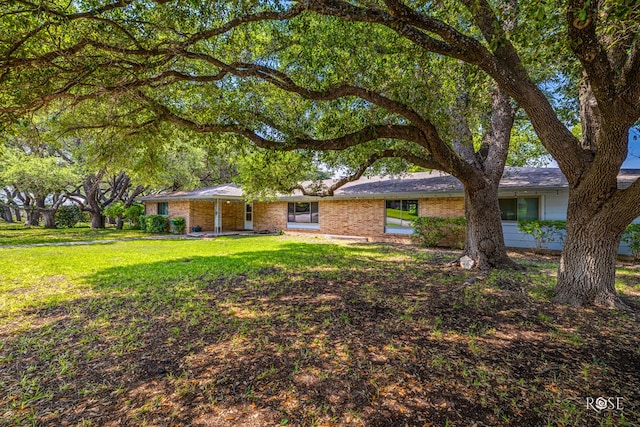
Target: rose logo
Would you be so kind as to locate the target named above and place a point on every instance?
(601, 403)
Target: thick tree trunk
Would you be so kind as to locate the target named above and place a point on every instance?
(33, 217)
(47, 214)
(484, 240)
(119, 223)
(18, 214)
(49, 218)
(587, 267)
(97, 220)
(6, 213)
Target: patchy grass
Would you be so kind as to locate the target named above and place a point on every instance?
(16, 234)
(273, 330)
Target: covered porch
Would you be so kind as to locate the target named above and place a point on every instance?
(212, 210)
(219, 216)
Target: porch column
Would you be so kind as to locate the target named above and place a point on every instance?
(217, 220)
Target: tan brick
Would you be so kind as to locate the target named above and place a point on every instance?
(269, 216)
(443, 207)
(201, 214)
(232, 215)
(150, 208)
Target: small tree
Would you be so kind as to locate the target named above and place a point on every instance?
(543, 231)
(133, 213)
(631, 237)
(115, 210)
(68, 216)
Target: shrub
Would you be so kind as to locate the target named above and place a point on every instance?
(156, 224)
(67, 216)
(114, 210)
(178, 225)
(133, 214)
(543, 231)
(142, 220)
(431, 231)
(631, 237)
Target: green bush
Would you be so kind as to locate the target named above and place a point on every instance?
(178, 225)
(156, 224)
(142, 220)
(133, 214)
(631, 237)
(429, 231)
(543, 231)
(68, 216)
(114, 210)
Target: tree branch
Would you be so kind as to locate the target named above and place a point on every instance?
(630, 78)
(369, 133)
(590, 52)
(322, 190)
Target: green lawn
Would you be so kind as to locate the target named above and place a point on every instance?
(274, 330)
(17, 234)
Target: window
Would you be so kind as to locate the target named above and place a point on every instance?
(248, 212)
(303, 212)
(399, 215)
(163, 208)
(519, 208)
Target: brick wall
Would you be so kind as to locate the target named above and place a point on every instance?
(338, 217)
(232, 215)
(150, 208)
(202, 214)
(269, 216)
(442, 207)
(352, 217)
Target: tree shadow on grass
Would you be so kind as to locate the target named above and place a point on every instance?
(312, 335)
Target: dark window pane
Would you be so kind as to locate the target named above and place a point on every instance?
(508, 210)
(528, 208)
(394, 204)
(291, 216)
(163, 208)
(305, 212)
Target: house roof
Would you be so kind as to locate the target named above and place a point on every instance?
(433, 183)
(224, 191)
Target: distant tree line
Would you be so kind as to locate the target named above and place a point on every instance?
(44, 170)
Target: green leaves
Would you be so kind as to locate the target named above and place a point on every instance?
(543, 231)
(265, 173)
(39, 176)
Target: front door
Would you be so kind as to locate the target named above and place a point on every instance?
(248, 216)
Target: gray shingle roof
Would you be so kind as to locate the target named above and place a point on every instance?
(423, 183)
(226, 191)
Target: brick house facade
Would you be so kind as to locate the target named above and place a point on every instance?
(379, 209)
(362, 218)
